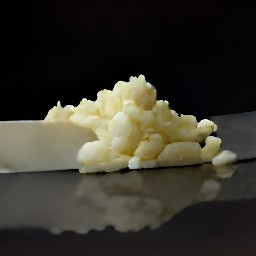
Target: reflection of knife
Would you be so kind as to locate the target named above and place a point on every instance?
(129, 201)
(45, 146)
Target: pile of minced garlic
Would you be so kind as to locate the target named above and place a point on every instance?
(136, 130)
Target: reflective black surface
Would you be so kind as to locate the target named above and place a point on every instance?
(190, 208)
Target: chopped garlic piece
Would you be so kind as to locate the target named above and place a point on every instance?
(136, 130)
(180, 153)
(151, 147)
(211, 148)
(207, 123)
(225, 157)
(60, 113)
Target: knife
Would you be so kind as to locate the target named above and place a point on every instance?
(27, 146)
(238, 133)
(44, 146)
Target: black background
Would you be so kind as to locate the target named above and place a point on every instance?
(200, 57)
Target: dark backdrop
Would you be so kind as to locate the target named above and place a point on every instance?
(201, 57)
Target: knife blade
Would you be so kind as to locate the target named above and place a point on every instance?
(238, 133)
(44, 146)
(27, 146)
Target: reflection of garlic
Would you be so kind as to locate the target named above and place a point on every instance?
(128, 201)
(133, 213)
(135, 130)
(131, 201)
(209, 190)
(225, 171)
(120, 201)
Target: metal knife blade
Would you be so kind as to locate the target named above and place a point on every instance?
(238, 133)
(44, 146)
(41, 146)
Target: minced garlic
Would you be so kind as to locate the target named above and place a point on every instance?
(136, 130)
